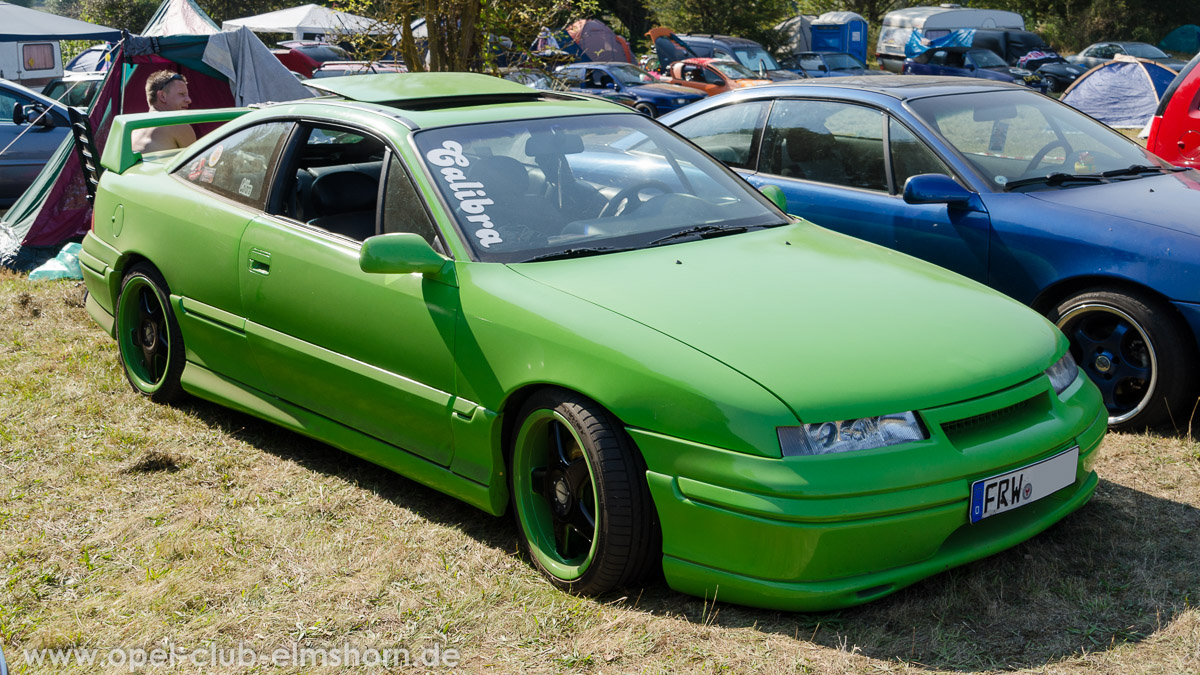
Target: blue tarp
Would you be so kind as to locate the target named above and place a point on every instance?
(918, 44)
(1121, 94)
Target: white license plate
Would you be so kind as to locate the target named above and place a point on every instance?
(1027, 484)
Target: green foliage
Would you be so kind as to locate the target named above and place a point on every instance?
(463, 35)
(753, 19)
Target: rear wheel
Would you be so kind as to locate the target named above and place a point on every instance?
(646, 109)
(1136, 350)
(149, 343)
(580, 496)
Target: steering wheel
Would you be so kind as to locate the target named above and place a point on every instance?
(629, 196)
(1041, 154)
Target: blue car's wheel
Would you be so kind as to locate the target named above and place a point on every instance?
(580, 496)
(646, 109)
(1136, 350)
(149, 343)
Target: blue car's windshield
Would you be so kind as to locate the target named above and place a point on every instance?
(1009, 136)
(631, 75)
(530, 189)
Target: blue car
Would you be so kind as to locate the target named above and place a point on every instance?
(1005, 186)
(826, 64)
(972, 62)
(653, 98)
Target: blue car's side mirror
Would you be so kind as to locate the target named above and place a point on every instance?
(936, 188)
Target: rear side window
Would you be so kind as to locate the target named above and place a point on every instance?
(239, 166)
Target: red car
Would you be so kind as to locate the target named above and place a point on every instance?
(1175, 129)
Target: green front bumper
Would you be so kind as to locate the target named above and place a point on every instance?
(818, 533)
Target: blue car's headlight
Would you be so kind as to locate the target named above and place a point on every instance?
(681, 101)
(1063, 373)
(826, 438)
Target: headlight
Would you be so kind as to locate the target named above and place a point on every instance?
(826, 438)
(681, 101)
(1063, 373)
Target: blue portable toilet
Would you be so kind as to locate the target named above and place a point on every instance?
(840, 32)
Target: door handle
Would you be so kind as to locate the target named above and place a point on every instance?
(260, 261)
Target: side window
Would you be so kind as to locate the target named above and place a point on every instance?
(572, 77)
(711, 77)
(403, 208)
(910, 157)
(938, 58)
(825, 141)
(238, 166)
(332, 181)
(726, 133)
(8, 101)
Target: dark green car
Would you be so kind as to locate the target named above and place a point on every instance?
(547, 303)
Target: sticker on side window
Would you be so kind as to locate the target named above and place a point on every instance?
(215, 155)
(246, 188)
(471, 196)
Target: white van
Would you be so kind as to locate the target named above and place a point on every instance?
(934, 22)
(30, 63)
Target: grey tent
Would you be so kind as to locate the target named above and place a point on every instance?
(21, 23)
(180, 17)
(797, 33)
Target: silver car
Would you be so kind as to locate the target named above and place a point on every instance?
(1103, 52)
(26, 143)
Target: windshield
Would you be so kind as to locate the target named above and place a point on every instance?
(1145, 51)
(733, 70)
(843, 62)
(750, 56)
(987, 59)
(1013, 135)
(631, 75)
(525, 189)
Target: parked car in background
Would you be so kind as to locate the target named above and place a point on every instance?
(711, 76)
(1102, 52)
(317, 51)
(531, 77)
(616, 344)
(29, 140)
(971, 62)
(75, 89)
(1175, 129)
(826, 64)
(746, 52)
(341, 68)
(1025, 49)
(932, 23)
(1005, 186)
(651, 97)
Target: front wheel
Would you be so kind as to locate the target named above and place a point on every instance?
(1136, 350)
(149, 342)
(580, 496)
(646, 109)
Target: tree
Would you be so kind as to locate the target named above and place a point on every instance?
(753, 19)
(459, 35)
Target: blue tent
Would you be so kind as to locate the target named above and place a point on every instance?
(1185, 39)
(918, 44)
(1123, 93)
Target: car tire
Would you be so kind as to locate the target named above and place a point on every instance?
(580, 496)
(646, 109)
(149, 342)
(1137, 350)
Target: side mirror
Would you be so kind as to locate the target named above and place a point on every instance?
(936, 188)
(32, 113)
(399, 253)
(775, 194)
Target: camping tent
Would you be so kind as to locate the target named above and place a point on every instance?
(593, 40)
(797, 33)
(179, 17)
(222, 70)
(1185, 39)
(1122, 93)
(306, 22)
(20, 23)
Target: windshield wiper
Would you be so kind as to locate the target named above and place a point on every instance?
(1139, 169)
(1055, 179)
(576, 253)
(702, 231)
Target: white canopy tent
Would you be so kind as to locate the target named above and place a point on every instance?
(307, 22)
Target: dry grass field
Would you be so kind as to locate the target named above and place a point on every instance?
(125, 524)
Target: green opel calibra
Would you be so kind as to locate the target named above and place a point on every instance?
(549, 304)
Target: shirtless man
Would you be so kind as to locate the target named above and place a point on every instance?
(165, 91)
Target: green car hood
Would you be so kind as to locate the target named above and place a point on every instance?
(835, 327)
